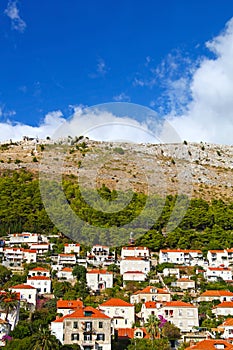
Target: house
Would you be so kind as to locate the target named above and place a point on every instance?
(187, 257)
(66, 307)
(181, 314)
(211, 344)
(27, 293)
(172, 271)
(13, 256)
(136, 252)
(150, 293)
(121, 312)
(134, 264)
(41, 283)
(39, 271)
(66, 259)
(214, 273)
(184, 284)
(87, 327)
(227, 329)
(100, 252)
(217, 257)
(72, 248)
(134, 276)
(24, 238)
(223, 309)
(210, 295)
(132, 333)
(30, 255)
(41, 248)
(65, 274)
(99, 279)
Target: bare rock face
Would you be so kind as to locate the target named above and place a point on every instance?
(196, 169)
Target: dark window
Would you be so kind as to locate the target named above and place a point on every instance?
(101, 336)
(75, 325)
(100, 324)
(74, 336)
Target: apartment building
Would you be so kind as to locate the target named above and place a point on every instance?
(27, 293)
(150, 293)
(214, 273)
(99, 279)
(136, 252)
(181, 256)
(121, 312)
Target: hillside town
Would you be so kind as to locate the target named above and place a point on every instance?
(127, 293)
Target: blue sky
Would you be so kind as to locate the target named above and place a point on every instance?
(59, 54)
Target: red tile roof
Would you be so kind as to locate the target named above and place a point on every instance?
(69, 304)
(67, 269)
(80, 313)
(178, 304)
(134, 272)
(129, 333)
(227, 304)
(38, 278)
(217, 293)
(180, 251)
(210, 344)
(101, 272)
(22, 286)
(228, 322)
(135, 248)
(217, 251)
(148, 289)
(71, 244)
(116, 302)
(219, 269)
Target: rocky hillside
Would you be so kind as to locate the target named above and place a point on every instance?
(197, 169)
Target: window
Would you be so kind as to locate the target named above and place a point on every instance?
(100, 324)
(75, 325)
(180, 312)
(29, 297)
(190, 313)
(100, 336)
(74, 336)
(87, 337)
(100, 348)
(125, 321)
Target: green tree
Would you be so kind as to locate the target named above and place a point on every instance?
(44, 340)
(145, 344)
(9, 302)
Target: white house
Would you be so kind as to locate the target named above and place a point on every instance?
(210, 295)
(66, 307)
(135, 252)
(188, 257)
(134, 264)
(181, 314)
(27, 293)
(217, 257)
(24, 238)
(99, 279)
(223, 309)
(150, 293)
(227, 328)
(184, 283)
(30, 255)
(87, 327)
(65, 274)
(41, 248)
(100, 252)
(213, 273)
(72, 248)
(41, 283)
(134, 276)
(121, 312)
(39, 271)
(13, 256)
(66, 259)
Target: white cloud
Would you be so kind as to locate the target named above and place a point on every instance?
(16, 131)
(208, 115)
(12, 12)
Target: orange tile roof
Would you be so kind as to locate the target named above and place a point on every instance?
(180, 251)
(134, 258)
(225, 304)
(69, 304)
(216, 293)
(130, 332)
(210, 344)
(135, 248)
(184, 280)
(71, 244)
(178, 304)
(150, 304)
(80, 313)
(22, 286)
(219, 269)
(67, 269)
(38, 278)
(101, 272)
(228, 322)
(63, 254)
(29, 251)
(116, 302)
(137, 272)
(217, 251)
(148, 289)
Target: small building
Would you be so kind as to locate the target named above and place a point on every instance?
(184, 284)
(214, 273)
(27, 293)
(223, 309)
(66, 307)
(72, 248)
(137, 276)
(136, 252)
(150, 293)
(65, 274)
(41, 283)
(210, 295)
(99, 279)
(66, 259)
(121, 312)
(134, 264)
(211, 344)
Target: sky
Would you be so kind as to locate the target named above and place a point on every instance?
(60, 58)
